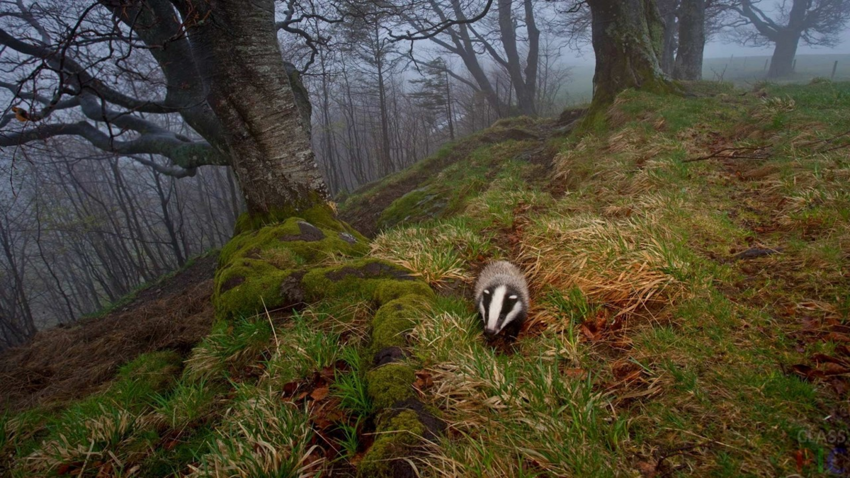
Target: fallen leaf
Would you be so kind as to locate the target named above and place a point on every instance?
(290, 388)
(647, 469)
(320, 393)
(575, 373)
(807, 372)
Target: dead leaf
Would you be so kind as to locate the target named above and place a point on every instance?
(320, 393)
(806, 372)
(579, 373)
(647, 469)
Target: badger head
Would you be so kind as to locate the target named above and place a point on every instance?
(500, 306)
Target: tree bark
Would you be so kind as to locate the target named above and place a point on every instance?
(251, 95)
(691, 40)
(783, 55)
(627, 41)
(669, 10)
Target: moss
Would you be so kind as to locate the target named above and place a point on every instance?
(392, 445)
(286, 235)
(358, 279)
(393, 320)
(155, 370)
(248, 288)
(254, 265)
(427, 202)
(321, 215)
(391, 290)
(389, 384)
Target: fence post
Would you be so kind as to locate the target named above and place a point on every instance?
(765, 64)
(794, 66)
(834, 67)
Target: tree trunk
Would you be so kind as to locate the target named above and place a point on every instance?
(627, 41)
(783, 55)
(669, 12)
(691, 40)
(251, 94)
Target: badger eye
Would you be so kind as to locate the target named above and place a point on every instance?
(486, 292)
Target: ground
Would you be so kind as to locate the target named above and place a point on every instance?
(688, 263)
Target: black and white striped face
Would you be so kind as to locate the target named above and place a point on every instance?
(499, 306)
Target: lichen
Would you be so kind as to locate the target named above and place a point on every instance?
(389, 384)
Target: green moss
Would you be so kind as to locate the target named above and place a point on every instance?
(393, 320)
(254, 264)
(153, 371)
(255, 243)
(389, 384)
(358, 279)
(247, 288)
(320, 214)
(424, 203)
(402, 432)
(391, 290)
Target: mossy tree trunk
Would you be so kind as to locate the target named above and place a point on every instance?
(691, 40)
(628, 42)
(250, 93)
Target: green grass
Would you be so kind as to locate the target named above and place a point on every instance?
(650, 347)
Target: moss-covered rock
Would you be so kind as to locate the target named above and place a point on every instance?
(390, 384)
(261, 269)
(359, 279)
(308, 242)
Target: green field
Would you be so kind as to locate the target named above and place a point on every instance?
(739, 70)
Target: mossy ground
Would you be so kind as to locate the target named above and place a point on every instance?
(688, 265)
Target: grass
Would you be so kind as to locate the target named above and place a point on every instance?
(655, 345)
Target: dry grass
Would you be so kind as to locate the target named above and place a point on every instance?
(62, 364)
(438, 254)
(261, 436)
(621, 264)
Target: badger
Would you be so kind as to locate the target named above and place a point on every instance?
(501, 295)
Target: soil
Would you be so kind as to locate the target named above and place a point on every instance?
(66, 363)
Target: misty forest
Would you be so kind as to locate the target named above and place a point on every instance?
(250, 238)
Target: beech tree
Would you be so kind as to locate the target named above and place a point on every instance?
(231, 89)
(627, 39)
(785, 24)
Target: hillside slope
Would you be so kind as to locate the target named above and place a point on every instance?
(689, 270)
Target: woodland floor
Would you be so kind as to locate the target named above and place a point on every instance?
(68, 362)
(689, 264)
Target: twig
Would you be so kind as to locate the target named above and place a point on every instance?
(718, 154)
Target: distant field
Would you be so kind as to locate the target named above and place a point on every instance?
(738, 70)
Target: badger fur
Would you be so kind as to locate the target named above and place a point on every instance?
(501, 295)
